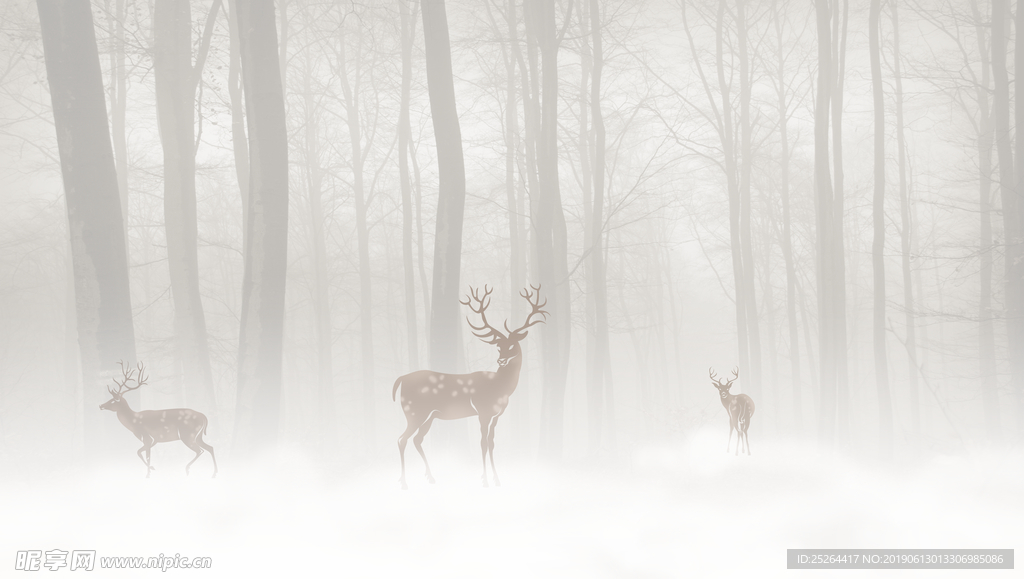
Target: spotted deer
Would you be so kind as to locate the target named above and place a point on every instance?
(153, 426)
(427, 395)
(740, 408)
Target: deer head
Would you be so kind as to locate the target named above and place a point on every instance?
(508, 341)
(117, 401)
(723, 389)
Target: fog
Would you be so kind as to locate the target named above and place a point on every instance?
(590, 240)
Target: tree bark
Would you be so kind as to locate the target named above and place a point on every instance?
(986, 331)
(1010, 201)
(351, 93)
(239, 141)
(550, 234)
(597, 278)
(825, 255)
(838, 214)
(753, 382)
(1015, 301)
(444, 312)
(885, 440)
(119, 104)
(95, 223)
(176, 83)
(905, 235)
(404, 133)
(787, 236)
(314, 172)
(263, 287)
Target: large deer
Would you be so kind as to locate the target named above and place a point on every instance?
(427, 395)
(153, 426)
(740, 408)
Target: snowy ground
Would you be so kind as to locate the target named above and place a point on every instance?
(685, 511)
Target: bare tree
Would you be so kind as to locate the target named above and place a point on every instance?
(176, 83)
(259, 346)
(408, 25)
(824, 225)
(550, 255)
(98, 253)
(878, 243)
(444, 310)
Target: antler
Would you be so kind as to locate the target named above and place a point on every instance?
(735, 376)
(535, 309)
(128, 373)
(485, 332)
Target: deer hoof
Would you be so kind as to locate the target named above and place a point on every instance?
(430, 479)
(405, 487)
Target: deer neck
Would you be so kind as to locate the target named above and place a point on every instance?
(127, 416)
(508, 375)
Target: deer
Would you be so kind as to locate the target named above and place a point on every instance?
(428, 395)
(154, 426)
(740, 408)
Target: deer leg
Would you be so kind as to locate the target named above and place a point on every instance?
(146, 445)
(196, 449)
(402, 441)
(490, 449)
(732, 426)
(485, 422)
(418, 440)
(199, 441)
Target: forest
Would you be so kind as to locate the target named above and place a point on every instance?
(289, 222)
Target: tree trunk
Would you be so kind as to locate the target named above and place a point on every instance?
(98, 253)
(753, 383)
(325, 412)
(905, 235)
(1015, 312)
(404, 133)
(239, 141)
(176, 83)
(550, 234)
(787, 235)
(119, 104)
(986, 331)
(597, 280)
(263, 287)
(825, 255)
(444, 311)
(878, 244)
(1010, 202)
(838, 213)
(351, 92)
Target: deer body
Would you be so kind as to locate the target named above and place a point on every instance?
(454, 396)
(155, 426)
(740, 408)
(428, 395)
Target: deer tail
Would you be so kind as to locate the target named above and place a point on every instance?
(395, 388)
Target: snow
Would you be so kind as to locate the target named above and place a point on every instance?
(677, 510)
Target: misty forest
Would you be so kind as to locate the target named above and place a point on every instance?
(552, 233)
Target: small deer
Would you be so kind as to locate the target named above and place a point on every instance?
(427, 395)
(153, 426)
(740, 408)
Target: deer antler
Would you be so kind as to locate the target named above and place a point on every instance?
(128, 374)
(485, 332)
(536, 308)
(735, 376)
